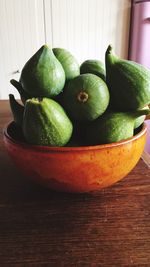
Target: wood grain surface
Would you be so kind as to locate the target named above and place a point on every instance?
(39, 227)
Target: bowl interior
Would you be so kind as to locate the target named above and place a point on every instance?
(14, 134)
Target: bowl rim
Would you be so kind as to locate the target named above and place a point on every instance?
(70, 148)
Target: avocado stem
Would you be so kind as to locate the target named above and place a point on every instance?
(24, 96)
(110, 57)
(82, 97)
(17, 85)
(40, 98)
(109, 49)
(17, 110)
(141, 112)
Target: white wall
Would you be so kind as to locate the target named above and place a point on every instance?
(21, 34)
(87, 27)
(84, 27)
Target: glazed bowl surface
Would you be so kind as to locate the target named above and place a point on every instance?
(75, 169)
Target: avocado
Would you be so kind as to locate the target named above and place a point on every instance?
(68, 61)
(93, 66)
(86, 97)
(46, 123)
(113, 127)
(128, 83)
(43, 75)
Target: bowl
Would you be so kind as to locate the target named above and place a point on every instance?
(75, 169)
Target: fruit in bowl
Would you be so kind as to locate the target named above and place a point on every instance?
(75, 169)
(85, 133)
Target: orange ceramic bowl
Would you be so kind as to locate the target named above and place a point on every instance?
(76, 169)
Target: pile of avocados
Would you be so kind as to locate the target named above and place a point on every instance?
(65, 104)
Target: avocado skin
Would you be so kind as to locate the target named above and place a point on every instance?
(98, 97)
(93, 66)
(128, 83)
(68, 61)
(46, 123)
(43, 75)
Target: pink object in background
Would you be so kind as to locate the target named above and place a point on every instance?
(139, 49)
(147, 145)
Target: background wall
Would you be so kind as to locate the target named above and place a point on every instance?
(84, 27)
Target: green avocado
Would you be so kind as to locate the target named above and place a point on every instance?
(17, 110)
(68, 61)
(128, 83)
(93, 66)
(43, 75)
(113, 127)
(86, 97)
(46, 123)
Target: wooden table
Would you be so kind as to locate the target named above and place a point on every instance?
(43, 228)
